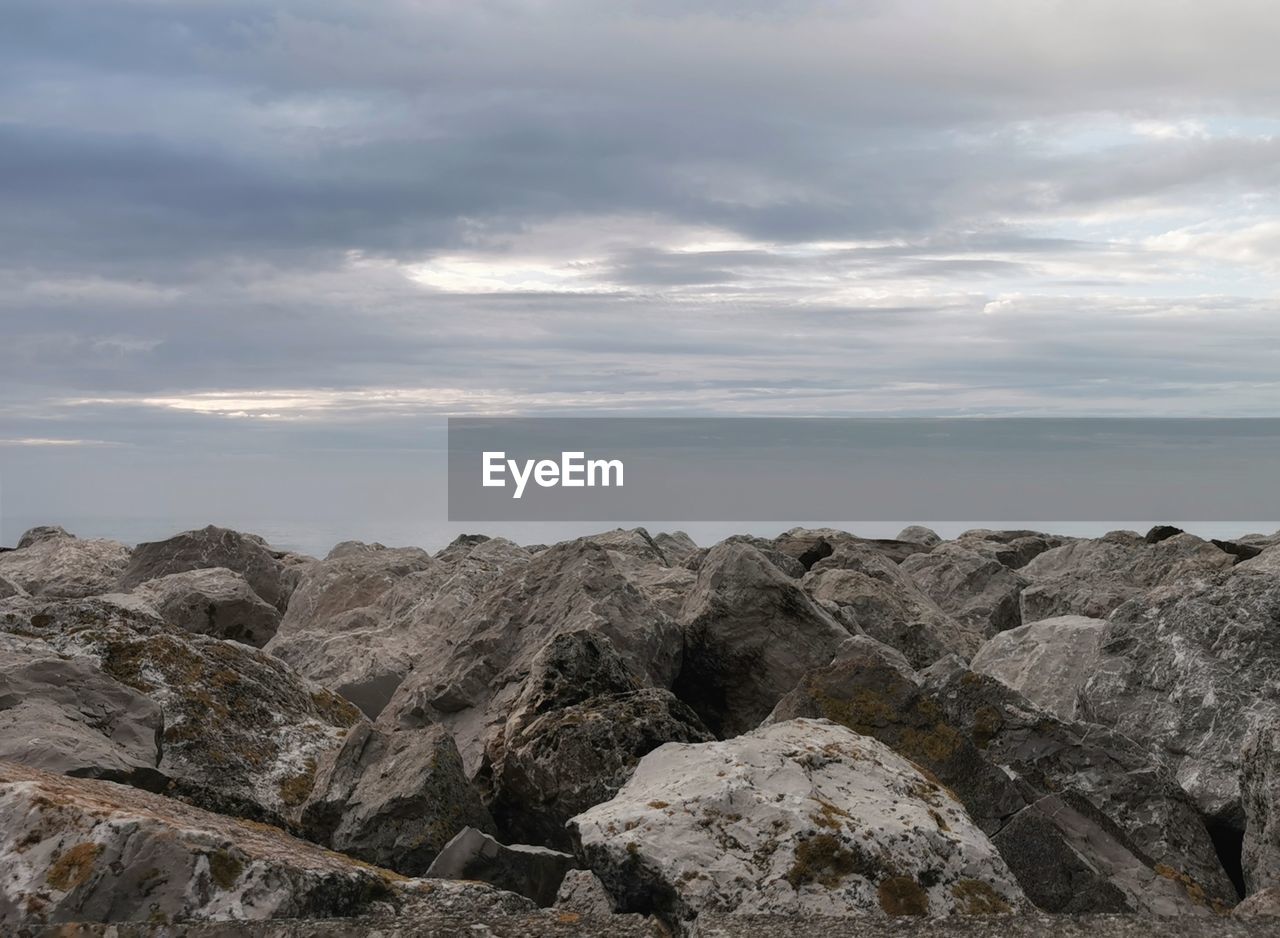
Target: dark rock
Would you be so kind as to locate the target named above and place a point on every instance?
(534, 872)
(1162, 532)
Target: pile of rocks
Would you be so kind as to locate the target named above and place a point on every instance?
(627, 733)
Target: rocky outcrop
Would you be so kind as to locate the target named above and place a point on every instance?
(43, 532)
(970, 585)
(1093, 577)
(1260, 794)
(392, 798)
(85, 850)
(1047, 661)
(799, 817)
(750, 632)
(534, 872)
(215, 602)
(60, 566)
(272, 574)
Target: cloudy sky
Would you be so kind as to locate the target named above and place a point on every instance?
(251, 252)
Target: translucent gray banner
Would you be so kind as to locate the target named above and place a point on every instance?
(656, 469)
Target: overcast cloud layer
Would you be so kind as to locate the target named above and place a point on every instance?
(244, 240)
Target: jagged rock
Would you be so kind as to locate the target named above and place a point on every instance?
(1260, 906)
(1268, 561)
(582, 892)
(1120, 778)
(1238, 549)
(81, 850)
(1093, 577)
(272, 574)
(971, 586)
(751, 632)
(43, 532)
(393, 798)
(634, 542)
(919, 534)
(1047, 661)
(469, 672)
(811, 545)
(1162, 532)
(886, 604)
(65, 567)
(676, 546)
(787, 564)
(1260, 794)
(799, 817)
(1188, 669)
(1015, 549)
(574, 737)
(215, 602)
(63, 715)
(535, 872)
(242, 732)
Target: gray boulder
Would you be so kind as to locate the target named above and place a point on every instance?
(810, 545)
(9, 588)
(65, 567)
(1047, 661)
(676, 546)
(215, 602)
(582, 893)
(971, 586)
(919, 534)
(1261, 906)
(1260, 792)
(534, 872)
(1013, 548)
(43, 532)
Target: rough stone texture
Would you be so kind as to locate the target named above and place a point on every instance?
(215, 602)
(1189, 669)
(65, 567)
(470, 672)
(43, 532)
(1120, 778)
(1047, 661)
(582, 892)
(242, 732)
(886, 604)
(1259, 907)
(919, 534)
(810, 545)
(88, 850)
(1260, 794)
(971, 586)
(1015, 549)
(63, 715)
(634, 542)
(534, 872)
(750, 633)
(1093, 577)
(1267, 561)
(270, 573)
(676, 546)
(9, 588)
(393, 798)
(574, 736)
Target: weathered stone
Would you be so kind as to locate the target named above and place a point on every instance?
(919, 534)
(535, 872)
(1162, 532)
(9, 588)
(43, 532)
(215, 602)
(798, 817)
(1047, 661)
(1015, 549)
(1268, 561)
(751, 632)
(1261, 906)
(65, 567)
(676, 546)
(971, 586)
(1238, 549)
(811, 545)
(392, 798)
(634, 542)
(1260, 794)
(87, 850)
(582, 892)
(270, 573)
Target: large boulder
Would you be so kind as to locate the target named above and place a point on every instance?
(1047, 661)
(80, 850)
(64, 715)
(1188, 670)
(919, 534)
(65, 567)
(270, 573)
(214, 601)
(1260, 792)
(581, 724)
(811, 545)
(242, 732)
(798, 817)
(1262, 905)
(1013, 548)
(676, 546)
(393, 798)
(534, 872)
(971, 586)
(43, 532)
(750, 632)
(1093, 577)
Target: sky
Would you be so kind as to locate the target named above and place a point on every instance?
(252, 254)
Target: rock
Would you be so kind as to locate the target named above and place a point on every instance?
(1047, 661)
(665, 587)
(1120, 778)
(1238, 549)
(634, 542)
(215, 602)
(63, 715)
(1162, 532)
(886, 604)
(1093, 577)
(65, 567)
(785, 563)
(1268, 561)
(918, 534)
(1015, 549)
(1260, 794)
(971, 586)
(267, 571)
(575, 735)
(1259, 906)
(470, 671)
(582, 892)
(9, 588)
(242, 732)
(393, 799)
(44, 532)
(810, 545)
(80, 850)
(798, 817)
(535, 872)
(676, 546)
(1188, 669)
(750, 633)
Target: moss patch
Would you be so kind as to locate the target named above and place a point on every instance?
(902, 895)
(974, 897)
(73, 867)
(225, 868)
